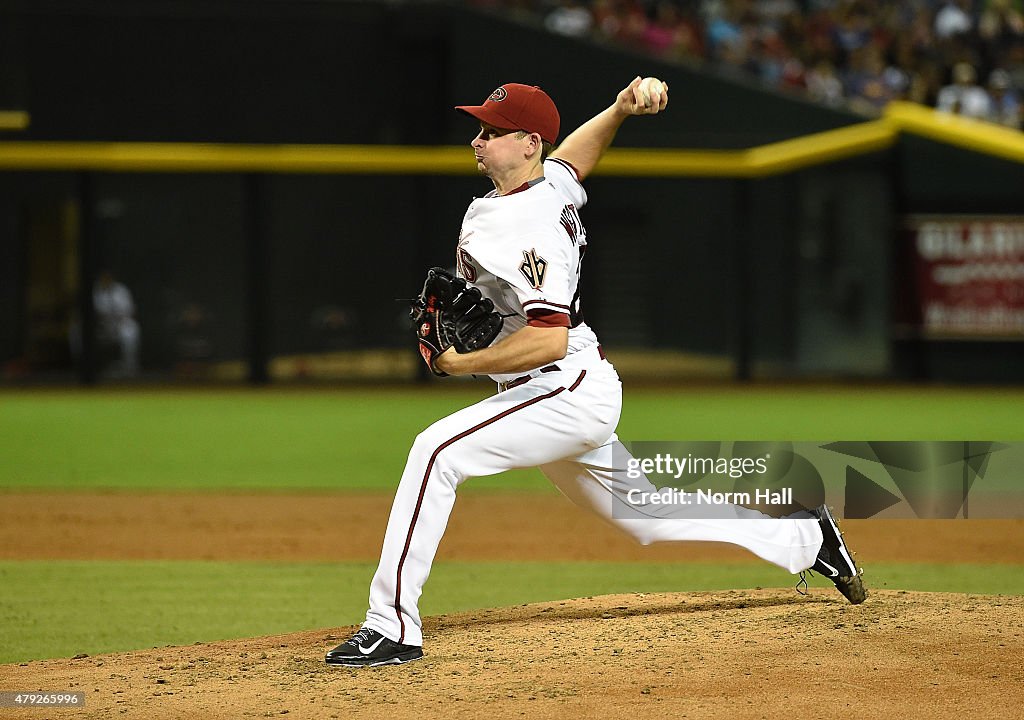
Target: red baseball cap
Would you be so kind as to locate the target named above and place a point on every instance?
(518, 107)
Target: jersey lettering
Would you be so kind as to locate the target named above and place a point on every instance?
(570, 220)
(533, 268)
(575, 309)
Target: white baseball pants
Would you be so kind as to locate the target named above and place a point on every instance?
(563, 422)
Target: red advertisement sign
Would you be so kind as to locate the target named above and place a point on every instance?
(968, 275)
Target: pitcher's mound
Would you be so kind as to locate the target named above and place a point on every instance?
(738, 654)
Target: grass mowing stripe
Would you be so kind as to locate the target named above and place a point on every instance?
(196, 440)
(359, 439)
(61, 608)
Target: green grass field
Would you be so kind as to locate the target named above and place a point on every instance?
(288, 440)
(358, 439)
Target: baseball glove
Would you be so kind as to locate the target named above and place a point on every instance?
(447, 313)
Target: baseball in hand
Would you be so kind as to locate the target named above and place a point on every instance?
(650, 86)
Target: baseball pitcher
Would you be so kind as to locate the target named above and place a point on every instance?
(513, 312)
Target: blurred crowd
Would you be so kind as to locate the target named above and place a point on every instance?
(961, 56)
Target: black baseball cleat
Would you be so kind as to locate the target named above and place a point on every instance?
(835, 561)
(368, 648)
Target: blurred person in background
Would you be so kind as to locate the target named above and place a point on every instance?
(824, 85)
(117, 329)
(620, 21)
(956, 17)
(672, 34)
(1001, 21)
(868, 85)
(1004, 102)
(727, 37)
(964, 96)
(116, 324)
(571, 18)
(853, 29)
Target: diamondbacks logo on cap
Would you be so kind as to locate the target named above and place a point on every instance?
(498, 95)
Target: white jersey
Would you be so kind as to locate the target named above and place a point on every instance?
(523, 250)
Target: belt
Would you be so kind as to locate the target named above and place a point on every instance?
(523, 379)
(516, 382)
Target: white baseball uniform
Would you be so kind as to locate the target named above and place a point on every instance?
(523, 250)
(116, 323)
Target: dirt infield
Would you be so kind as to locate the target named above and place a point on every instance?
(484, 526)
(740, 654)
